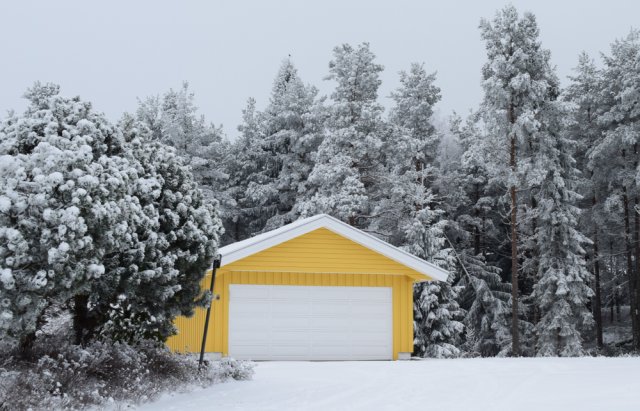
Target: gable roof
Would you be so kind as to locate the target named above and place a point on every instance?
(241, 249)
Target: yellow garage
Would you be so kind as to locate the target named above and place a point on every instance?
(315, 289)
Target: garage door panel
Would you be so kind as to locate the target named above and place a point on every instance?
(365, 323)
(310, 323)
(289, 338)
(330, 323)
(290, 309)
(290, 293)
(321, 307)
(369, 308)
(283, 351)
(294, 321)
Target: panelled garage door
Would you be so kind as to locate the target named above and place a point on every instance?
(272, 322)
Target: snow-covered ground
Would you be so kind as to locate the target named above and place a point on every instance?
(464, 384)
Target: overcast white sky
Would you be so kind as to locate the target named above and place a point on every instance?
(113, 52)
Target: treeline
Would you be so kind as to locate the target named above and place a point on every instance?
(530, 201)
(539, 181)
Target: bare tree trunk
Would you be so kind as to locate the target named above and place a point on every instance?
(26, 342)
(597, 303)
(83, 324)
(615, 298)
(633, 309)
(611, 310)
(534, 258)
(630, 273)
(476, 229)
(515, 331)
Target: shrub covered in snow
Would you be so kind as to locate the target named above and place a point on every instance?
(73, 377)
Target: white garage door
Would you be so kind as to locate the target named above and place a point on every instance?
(272, 322)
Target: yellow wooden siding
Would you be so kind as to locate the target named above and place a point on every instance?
(189, 335)
(323, 251)
(318, 258)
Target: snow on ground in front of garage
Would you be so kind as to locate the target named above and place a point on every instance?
(462, 384)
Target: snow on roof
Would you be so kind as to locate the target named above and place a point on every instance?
(241, 249)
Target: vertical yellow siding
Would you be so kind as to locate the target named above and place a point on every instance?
(318, 258)
(190, 330)
(321, 251)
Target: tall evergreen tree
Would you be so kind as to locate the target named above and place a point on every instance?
(517, 80)
(470, 201)
(174, 120)
(562, 290)
(348, 164)
(410, 212)
(292, 128)
(584, 130)
(244, 167)
(618, 151)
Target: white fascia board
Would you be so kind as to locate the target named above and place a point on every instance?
(250, 246)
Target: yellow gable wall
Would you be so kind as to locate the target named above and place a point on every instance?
(323, 251)
(318, 258)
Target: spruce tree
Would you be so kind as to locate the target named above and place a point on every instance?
(585, 132)
(617, 154)
(517, 80)
(173, 120)
(471, 204)
(348, 165)
(292, 128)
(410, 212)
(562, 290)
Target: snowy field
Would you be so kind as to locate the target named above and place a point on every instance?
(464, 384)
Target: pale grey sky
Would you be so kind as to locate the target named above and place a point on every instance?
(112, 52)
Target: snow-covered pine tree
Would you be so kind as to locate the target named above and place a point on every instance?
(174, 121)
(471, 205)
(349, 160)
(437, 315)
(292, 128)
(617, 155)
(584, 130)
(95, 223)
(562, 289)
(517, 80)
(63, 191)
(409, 212)
(244, 166)
(410, 155)
(175, 242)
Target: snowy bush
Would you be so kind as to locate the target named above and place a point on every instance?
(228, 368)
(74, 377)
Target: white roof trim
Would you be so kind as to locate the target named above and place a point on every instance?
(241, 249)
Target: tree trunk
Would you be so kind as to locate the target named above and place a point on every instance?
(597, 303)
(26, 342)
(82, 325)
(630, 273)
(611, 310)
(534, 257)
(515, 331)
(476, 229)
(636, 281)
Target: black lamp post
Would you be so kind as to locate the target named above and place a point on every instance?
(215, 265)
